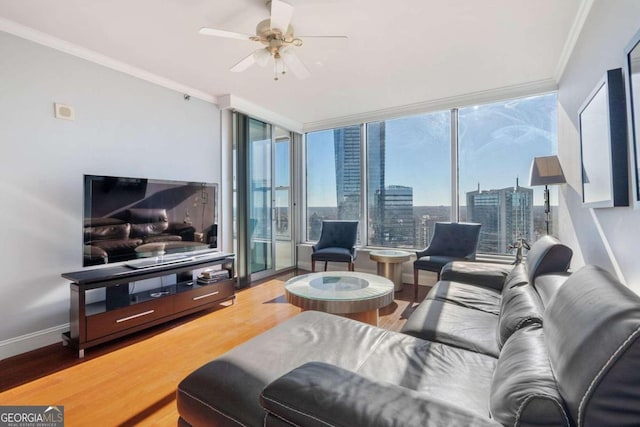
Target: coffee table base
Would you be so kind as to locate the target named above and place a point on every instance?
(371, 317)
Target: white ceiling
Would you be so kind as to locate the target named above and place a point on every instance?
(398, 53)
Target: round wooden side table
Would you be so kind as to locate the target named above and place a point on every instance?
(390, 264)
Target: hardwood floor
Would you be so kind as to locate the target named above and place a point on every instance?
(132, 381)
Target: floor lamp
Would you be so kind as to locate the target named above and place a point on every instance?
(546, 171)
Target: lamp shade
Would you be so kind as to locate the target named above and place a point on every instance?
(545, 171)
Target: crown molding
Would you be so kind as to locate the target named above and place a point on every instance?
(97, 58)
(474, 98)
(235, 103)
(572, 38)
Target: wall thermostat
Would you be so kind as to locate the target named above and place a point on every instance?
(64, 112)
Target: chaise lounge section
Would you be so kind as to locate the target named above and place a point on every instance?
(575, 365)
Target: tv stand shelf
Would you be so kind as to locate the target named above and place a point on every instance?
(121, 309)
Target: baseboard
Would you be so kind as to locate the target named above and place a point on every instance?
(24, 343)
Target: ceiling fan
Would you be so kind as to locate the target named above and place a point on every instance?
(277, 36)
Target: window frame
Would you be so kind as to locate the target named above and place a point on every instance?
(454, 167)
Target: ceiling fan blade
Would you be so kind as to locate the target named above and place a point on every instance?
(244, 63)
(223, 33)
(281, 14)
(262, 56)
(324, 37)
(294, 64)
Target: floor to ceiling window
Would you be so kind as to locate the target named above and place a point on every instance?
(409, 181)
(333, 177)
(408, 175)
(497, 143)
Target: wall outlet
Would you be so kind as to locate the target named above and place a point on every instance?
(65, 112)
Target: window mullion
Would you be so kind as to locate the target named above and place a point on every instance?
(455, 197)
(364, 187)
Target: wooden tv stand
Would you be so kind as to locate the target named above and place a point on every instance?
(105, 304)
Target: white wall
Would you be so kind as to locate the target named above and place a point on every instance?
(124, 126)
(606, 237)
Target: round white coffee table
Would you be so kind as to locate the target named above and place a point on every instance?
(390, 264)
(350, 294)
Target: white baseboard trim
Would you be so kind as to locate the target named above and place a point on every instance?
(24, 343)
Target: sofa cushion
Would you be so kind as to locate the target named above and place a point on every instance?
(592, 330)
(524, 391)
(547, 255)
(465, 295)
(319, 394)
(487, 274)
(548, 284)
(520, 306)
(452, 324)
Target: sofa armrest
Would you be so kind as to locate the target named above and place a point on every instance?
(320, 394)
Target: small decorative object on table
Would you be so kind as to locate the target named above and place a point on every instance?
(518, 245)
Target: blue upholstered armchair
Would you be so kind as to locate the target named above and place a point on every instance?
(337, 243)
(452, 241)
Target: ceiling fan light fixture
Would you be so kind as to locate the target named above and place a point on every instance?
(277, 36)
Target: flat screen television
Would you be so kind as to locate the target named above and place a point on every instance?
(127, 219)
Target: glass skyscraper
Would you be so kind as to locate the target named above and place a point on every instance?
(397, 225)
(347, 158)
(505, 215)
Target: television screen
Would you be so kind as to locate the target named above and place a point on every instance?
(132, 218)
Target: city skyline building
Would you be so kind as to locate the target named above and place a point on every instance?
(396, 226)
(505, 215)
(376, 153)
(347, 162)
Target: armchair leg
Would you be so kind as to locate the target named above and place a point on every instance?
(325, 266)
(351, 266)
(313, 265)
(415, 284)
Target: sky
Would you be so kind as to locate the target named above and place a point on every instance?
(497, 143)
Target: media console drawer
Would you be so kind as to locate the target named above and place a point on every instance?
(202, 295)
(109, 322)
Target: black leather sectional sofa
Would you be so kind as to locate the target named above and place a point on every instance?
(533, 348)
